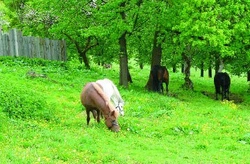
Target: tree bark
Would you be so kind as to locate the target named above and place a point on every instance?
(217, 64)
(174, 68)
(156, 58)
(202, 69)
(123, 61)
(83, 57)
(248, 79)
(248, 75)
(157, 50)
(141, 65)
(182, 68)
(210, 72)
(124, 72)
(221, 66)
(188, 84)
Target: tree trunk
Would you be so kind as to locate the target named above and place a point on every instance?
(202, 69)
(210, 72)
(84, 59)
(248, 75)
(188, 83)
(217, 65)
(157, 50)
(141, 65)
(248, 79)
(221, 66)
(156, 58)
(174, 68)
(124, 73)
(182, 68)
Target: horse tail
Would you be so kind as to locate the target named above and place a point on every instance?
(101, 93)
(165, 75)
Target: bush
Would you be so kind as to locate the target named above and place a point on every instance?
(20, 102)
(34, 62)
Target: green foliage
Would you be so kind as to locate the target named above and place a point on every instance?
(19, 102)
(4, 18)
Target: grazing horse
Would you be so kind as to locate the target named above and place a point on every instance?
(222, 82)
(113, 94)
(95, 101)
(159, 75)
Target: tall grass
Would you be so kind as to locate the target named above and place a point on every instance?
(42, 120)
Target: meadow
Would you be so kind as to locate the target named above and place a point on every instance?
(43, 121)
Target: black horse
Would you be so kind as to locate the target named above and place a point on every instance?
(159, 75)
(222, 81)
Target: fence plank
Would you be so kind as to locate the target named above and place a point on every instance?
(6, 47)
(1, 43)
(14, 43)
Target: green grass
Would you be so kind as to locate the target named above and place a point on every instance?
(42, 120)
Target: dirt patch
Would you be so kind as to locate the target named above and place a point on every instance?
(236, 98)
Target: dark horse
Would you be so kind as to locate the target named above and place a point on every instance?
(159, 75)
(95, 101)
(222, 81)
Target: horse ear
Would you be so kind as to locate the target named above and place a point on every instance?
(114, 113)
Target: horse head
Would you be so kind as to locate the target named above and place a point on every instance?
(110, 121)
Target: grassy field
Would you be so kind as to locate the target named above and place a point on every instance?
(42, 120)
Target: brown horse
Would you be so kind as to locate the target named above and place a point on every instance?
(95, 101)
(159, 75)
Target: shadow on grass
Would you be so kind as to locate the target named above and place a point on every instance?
(236, 98)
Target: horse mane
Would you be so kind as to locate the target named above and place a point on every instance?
(116, 90)
(101, 93)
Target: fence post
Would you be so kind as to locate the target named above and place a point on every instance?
(1, 43)
(62, 50)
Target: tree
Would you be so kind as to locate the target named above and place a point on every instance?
(159, 36)
(4, 18)
(196, 32)
(203, 26)
(61, 22)
(124, 72)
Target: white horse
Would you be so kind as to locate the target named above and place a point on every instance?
(113, 94)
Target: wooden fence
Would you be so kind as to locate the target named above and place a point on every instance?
(14, 43)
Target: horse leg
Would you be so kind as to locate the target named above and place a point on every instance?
(166, 88)
(160, 87)
(223, 94)
(94, 112)
(227, 94)
(88, 117)
(98, 116)
(217, 91)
